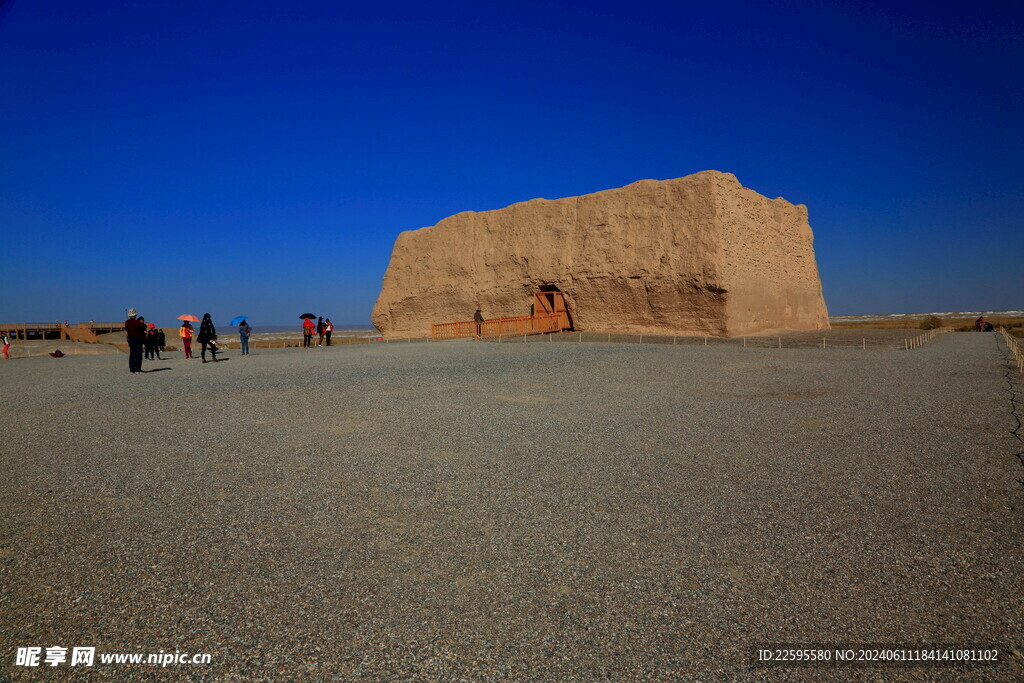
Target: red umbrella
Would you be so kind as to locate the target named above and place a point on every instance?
(190, 318)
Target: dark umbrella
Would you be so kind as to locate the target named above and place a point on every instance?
(307, 315)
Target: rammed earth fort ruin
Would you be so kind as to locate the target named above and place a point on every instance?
(693, 255)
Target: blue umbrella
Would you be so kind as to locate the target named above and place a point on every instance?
(238, 319)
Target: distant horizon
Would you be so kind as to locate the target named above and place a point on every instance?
(255, 323)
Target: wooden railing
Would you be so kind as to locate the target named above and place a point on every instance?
(25, 331)
(521, 326)
(916, 341)
(495, 328)
(459, 330)
(1016, 348)
(82, 332)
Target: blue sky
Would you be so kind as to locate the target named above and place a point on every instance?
(261, 157)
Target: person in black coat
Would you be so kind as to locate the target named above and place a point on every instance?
(207, 337)
(153, 343)
(478, 318)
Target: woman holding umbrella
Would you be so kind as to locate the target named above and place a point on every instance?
(185, 332)
(307, 329)
(208, 337)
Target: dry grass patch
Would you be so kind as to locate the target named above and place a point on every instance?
(1015, 324)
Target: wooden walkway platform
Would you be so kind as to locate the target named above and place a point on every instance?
(82, 332)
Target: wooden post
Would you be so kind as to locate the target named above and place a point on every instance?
(744, 342)
(905, 346)
(641, 339)
(780, 342)
(673, 340)
(581, 337)
(864, 344)
(822, 342)
(705, 340)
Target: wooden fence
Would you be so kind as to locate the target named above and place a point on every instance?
(789, 342)
(520, 326)
(498, 328)
(1016, 348)
(448, 331)
(917, 341)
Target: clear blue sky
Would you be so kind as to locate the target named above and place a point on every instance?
(261, 157)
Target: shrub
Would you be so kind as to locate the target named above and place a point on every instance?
(930, 323)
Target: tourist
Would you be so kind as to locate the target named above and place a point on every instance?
(244, 332)
(135, 330)
(328, 329)
(478, 318)
(151, 341)
(979, 324)
(307, 332)
(7, 346)
(207, 337)
(320, 331)
(186, 337)
(161, 341)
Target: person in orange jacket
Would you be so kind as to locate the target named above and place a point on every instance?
(185, 332)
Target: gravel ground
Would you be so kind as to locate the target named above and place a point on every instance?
(481, 511)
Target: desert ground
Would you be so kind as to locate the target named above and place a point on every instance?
(562, 511)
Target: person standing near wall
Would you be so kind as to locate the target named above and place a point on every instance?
(478, 319)
(135, 331)
(244, 332)
(320, 331)
(328, 329)
(7, 347)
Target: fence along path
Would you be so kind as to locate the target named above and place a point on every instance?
(495, 328)
(1016, 348)
(892, 340)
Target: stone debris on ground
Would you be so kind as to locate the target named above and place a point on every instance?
(485, 511)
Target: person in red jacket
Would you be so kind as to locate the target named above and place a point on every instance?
(185, 332)
(307, 332)
(135, 330)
